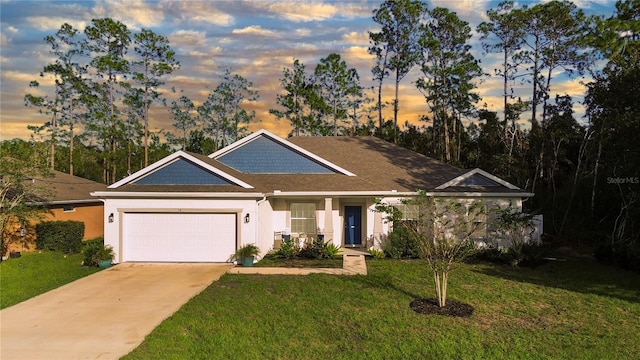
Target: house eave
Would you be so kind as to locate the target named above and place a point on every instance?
(482, 194)
(202, 195)
(63, 202)
(393, 193)
(278, 193)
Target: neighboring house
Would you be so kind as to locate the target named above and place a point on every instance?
(71, 200)
(194, 208)
(67, 198)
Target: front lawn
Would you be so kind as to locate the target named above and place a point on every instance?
(37, 272)
(270, 261)
(576, 309)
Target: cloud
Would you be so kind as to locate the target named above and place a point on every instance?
(188, 38)
(300, 11)
(462, 7)
(254, 30)
(586, 4)
(47, 23)
(356, 38)
(24, 78)
(136, 13)
(303, 32)
(196, 11)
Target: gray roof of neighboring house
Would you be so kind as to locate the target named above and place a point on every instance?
(377, 164)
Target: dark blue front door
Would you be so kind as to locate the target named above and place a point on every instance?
(352, 225)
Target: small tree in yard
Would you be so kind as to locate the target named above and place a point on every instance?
(18, 199)
(443, 228)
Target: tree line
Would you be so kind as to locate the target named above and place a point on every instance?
(584, 174)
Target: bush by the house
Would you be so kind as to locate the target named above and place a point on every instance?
(310, 249)
(288, 250)
(64, 236)
(318, 249)
(90, 250)
(398, 244)
(525, 255)
(377, 254)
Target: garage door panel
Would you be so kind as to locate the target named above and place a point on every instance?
(179, 237)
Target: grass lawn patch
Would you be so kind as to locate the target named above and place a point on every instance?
(299, 263)
(576, 309)
(37, 272)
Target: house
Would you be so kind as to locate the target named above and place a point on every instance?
(67, 198)
(194, 208)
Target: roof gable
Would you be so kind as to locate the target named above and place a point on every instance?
(266, 153)
(477, 177)
(177, 169)
(181, 172)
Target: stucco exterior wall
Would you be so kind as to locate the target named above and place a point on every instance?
(92, 215)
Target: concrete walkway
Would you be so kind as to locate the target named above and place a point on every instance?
(101, 316)
(352, 264)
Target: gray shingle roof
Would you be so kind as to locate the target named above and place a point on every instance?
(377, 164)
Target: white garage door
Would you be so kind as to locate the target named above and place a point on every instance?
(170, 237)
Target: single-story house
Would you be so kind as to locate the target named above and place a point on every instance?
(195, 208)
(67, 197)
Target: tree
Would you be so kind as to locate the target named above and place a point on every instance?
(339, 89)
(614, 111)
(223, 113)
(296, 84)
(156, 59)
(448, 68)
(396, 44)
(182, 112)
(20, 201)
(552, 40)
(443, 229)
(108, 41)
(507, 34)
(48, 107)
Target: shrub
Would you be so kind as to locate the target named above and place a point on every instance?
(331, 250)
(64, 236)
(288, 250)
(318, 249)
(377, 254)
(525, 255)
(90, 250)
(398, 244)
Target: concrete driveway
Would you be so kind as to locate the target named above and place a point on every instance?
(104, 315)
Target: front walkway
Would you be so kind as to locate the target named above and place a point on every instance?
(101, 316)
(352, 264)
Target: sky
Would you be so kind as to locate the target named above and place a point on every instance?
(256, 39)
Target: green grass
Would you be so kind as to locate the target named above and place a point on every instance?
(268, 261)
(37, 272)
(576, 309)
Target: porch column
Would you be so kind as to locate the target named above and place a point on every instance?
(328, 220)
(377, 229)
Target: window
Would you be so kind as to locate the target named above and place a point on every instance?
(479, 224)
(303, 218)
(68, 208)
(409, 211)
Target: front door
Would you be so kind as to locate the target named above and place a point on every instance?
(352, 225)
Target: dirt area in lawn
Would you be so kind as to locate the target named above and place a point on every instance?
(452, 308)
